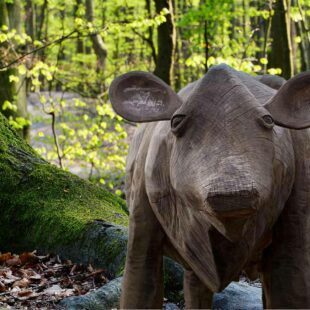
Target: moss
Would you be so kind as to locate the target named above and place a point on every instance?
(42, 205)
(113, 246)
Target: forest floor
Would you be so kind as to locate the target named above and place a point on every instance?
(31, 281)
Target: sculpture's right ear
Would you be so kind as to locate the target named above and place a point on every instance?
(142, 97)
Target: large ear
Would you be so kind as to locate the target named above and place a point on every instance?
(290, 106)
(273, 81)
(142, 97)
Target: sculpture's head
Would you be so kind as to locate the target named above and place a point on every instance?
(230, 155)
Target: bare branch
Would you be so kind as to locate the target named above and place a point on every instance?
(59, 40)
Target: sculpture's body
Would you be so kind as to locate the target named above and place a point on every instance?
(219, 187)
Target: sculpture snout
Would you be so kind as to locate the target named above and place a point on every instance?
(235, 203)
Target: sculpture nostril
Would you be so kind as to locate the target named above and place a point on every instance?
(234, 203)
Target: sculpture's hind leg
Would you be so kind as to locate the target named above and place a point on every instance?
(196, 294)
(286, 262)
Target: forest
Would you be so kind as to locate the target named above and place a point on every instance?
(58, 59)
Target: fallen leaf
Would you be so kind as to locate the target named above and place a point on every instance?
(21, 283)
(68, 292)
(26, 294)
(53, 290)
(73, 269)
(43, 282)
(15, 289)
(36, 276)
(4, 257)
(8, 277)
(15, 261)
(2, 287)
(28, 257)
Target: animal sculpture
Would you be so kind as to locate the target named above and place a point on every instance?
(218, 179)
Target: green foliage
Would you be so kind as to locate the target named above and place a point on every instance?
(90, 134)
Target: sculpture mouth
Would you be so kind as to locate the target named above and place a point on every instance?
(236, 213)
(233, 204)
(232, 213)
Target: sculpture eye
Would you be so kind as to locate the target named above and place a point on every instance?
(266, 121)
(178, 122)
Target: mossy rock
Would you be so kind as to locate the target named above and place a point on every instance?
(44, 207)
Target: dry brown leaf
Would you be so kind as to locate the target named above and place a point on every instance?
(68, 292)
(3, 272)
(4, 257)
(15, 261)
(90, 268)
(43, 282)
(27, 273)
(26, 294)
(2, 287)
(72, 269)
(8, 278)
(21, 283)
(68, 262)
(28, 276)
(28, 257)
(15, 289)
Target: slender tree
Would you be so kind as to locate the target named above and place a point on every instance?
(99, 47)
(281, 55)
(30, 19)
(303, 31)
(165, 42)
(12, 84)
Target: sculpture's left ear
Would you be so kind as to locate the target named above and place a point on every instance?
(142, 97)
(290, 106)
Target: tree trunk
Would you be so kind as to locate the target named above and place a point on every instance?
(150, 31)
(79, 41)
(303, 32)
(165, 42)
(281, 50)
(13, 91)
(267, 35)
(30, 19)
(98, 44)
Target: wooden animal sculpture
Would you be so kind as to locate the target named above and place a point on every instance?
(220, 181)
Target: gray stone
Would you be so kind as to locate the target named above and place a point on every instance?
(239, 296)
(170, 306)
(106, 297)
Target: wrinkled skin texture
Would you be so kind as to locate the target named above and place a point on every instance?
(221, 189)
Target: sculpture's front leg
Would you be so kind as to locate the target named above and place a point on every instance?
(143, 277)
(196, 294)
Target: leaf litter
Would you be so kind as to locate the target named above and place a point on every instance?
(31, 281)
